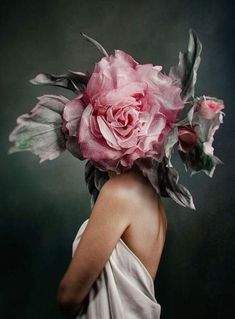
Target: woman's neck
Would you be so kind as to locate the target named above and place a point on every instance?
(132, 172)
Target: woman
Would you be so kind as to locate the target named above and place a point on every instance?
(128, 208)
(125, 120)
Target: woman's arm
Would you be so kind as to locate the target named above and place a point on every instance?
(109, 218)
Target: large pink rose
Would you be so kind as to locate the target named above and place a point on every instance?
(208, 107)
(125, 112)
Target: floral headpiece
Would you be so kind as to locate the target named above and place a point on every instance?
(126, 114)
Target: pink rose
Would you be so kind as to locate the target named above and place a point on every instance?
(208, 108)
(125, 112)
(188, 138)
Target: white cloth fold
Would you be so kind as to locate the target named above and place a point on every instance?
(123, 290)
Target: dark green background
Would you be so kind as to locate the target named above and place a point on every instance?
(43, 205)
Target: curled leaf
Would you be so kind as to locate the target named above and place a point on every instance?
(74, 81)
(96, 44)
(168, 182)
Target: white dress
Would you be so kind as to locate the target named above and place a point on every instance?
(123, 290)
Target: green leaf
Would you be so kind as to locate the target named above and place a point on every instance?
(185, 73)
(197, 160)
(74, 81)
(40, 130)
(169, 186)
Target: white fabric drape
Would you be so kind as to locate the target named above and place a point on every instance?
(123, 290)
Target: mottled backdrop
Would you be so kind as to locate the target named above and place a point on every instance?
(43, 205)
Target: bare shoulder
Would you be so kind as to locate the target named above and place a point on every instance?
(130, 193)
(117, 198)
(123, 188)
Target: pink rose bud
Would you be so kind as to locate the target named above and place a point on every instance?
(188, 138)
(208, 108)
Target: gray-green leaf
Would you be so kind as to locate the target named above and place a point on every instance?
(96, 44)
(74, 81)
(169, 186)
(40, 130)
(185, 73)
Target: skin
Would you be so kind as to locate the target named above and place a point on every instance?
(129, 208)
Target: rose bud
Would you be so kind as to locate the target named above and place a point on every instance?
(187, 137)
(208, 108)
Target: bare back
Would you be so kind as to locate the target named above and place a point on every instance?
(145, 236)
